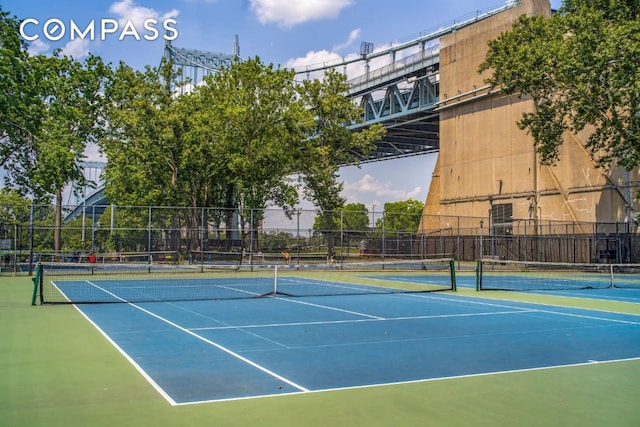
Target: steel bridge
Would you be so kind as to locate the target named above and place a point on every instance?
(402, 91)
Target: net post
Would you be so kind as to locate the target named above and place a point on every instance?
(611, 284)
(452, 270)
(275, 280)
(478, 275)
(37, 284)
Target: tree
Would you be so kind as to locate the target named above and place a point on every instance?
(14, 208)
(611, 9)
(71, 92)
(580, 67)
(255, 122)
(227, 144)
(161, 152)
(350, 222)
(354, 221)
(14, 216)
(142, 145)
(61, 112)
(402, 217)
(331, 143)
(20, 105)
(354, 218)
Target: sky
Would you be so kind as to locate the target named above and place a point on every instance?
(291, 33)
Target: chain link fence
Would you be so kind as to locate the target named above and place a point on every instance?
(210, 235)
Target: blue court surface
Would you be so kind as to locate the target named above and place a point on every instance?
(574, 288)
(202, 351)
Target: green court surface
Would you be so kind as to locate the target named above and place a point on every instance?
(58, 370)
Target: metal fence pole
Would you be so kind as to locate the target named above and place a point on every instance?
(383, 238)
(149, 238)
(203, 230)
(31, 238)
(341, 236)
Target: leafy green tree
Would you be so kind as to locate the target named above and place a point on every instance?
(130, 229)
(275, 241)
(226, 144)
(351, 222)
(355, 218)
(72, 235)
(14, 217)
(14, 208)
(611, 9)
(74, 113)
(61, 112)
(402, 217)
(354, 221)
(152, 161)
(255, 123)
(580, 67)
(20, 105)
(142, 147)
(331, 143)
(327, 223)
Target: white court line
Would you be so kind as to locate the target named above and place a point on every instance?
(559, 313)
(378, 319)
(424, 380)
(147, 377)
(201, 338)
(330, 308)
(60, 291)
(227, 325)
(591, 296)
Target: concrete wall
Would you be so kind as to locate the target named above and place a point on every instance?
(486, 160)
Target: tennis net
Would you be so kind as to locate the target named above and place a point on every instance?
(541, 276)
(109, 283)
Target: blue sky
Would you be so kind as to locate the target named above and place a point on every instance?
(291, 33)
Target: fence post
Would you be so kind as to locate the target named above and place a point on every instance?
(383, 237)
(149, 238)
(457, 249)
(203, 230)
(341, 236)
(481, 232)
(298, 238)
(31, 238)
(15, 249)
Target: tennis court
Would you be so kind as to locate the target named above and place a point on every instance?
(610, 282)
(211, 350)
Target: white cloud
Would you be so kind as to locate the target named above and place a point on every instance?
(127, 10)
(287, 13)
(367, 187)
(37, 47)
(78, 48)
(353, 36)
(413, 194)
(314, 57)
